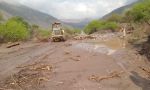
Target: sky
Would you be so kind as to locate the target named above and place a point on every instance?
(75, 9)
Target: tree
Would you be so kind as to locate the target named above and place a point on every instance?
(92, 27)
(16, 30)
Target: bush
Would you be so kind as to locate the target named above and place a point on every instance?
(76, 31)
(140, 12)
(14, 30)
(43, 34)
(20, 20)
(115, 18)
(2, 33)
(97, 25)
(1, 16)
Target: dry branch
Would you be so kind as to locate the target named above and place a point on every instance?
(13, 45)
(100, 78)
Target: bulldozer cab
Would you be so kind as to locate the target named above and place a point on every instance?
(57, 29)
(57, 32)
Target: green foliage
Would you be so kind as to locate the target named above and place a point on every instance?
(115, 18)
(1, 16)
(33, 30)
(140, 12)
(76, 31)
(43, 34)
(34, 26)
(97, 25)
(14, 30)
(40, 33)
(20, 20)
(69, 31)
(2, 32)
(137, 16)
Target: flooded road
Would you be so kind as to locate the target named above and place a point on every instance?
(98, 64)
(108, 46)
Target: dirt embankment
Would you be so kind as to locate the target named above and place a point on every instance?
(144, 48)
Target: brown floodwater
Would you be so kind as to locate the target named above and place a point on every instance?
(108, 47)
(114, 43)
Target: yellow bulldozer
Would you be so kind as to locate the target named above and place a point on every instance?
(58, 34)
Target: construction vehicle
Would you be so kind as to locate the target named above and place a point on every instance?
(58, 33)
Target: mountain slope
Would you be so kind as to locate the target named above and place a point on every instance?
(120, 10)
(30, 15)
(77, 23)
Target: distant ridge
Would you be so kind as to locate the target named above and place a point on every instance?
(29, 14)
(120, 10)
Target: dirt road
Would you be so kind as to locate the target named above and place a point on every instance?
(76, 65)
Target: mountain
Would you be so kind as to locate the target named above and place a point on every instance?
(30, 15)
(121, 10)
(77, 23)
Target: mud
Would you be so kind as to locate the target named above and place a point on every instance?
(74, 62)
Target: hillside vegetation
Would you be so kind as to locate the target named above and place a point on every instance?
(17, 29)
(111, 21)
(121, 10)
(139, 14)
(138, 18)
(98, 25)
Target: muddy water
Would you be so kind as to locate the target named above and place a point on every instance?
(103, 46)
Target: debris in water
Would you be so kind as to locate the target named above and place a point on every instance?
(67, 53)
(78, 56)
(29, 77)
(100, 78)
(68, 45)
(74, 59)
(82, 37)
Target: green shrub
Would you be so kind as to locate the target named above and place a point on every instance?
(1, 16)
(20, 20)
(39, 33)
(2, 32)
(14, 30)
(140, 12)
(43, 34)
(92, 27)
(115, 18)
(76, 31)
(97, 25)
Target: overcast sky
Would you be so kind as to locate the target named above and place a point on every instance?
(75, 9)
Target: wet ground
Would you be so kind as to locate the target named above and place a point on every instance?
(98, 64)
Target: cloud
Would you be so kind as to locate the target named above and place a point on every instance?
(75, 9)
